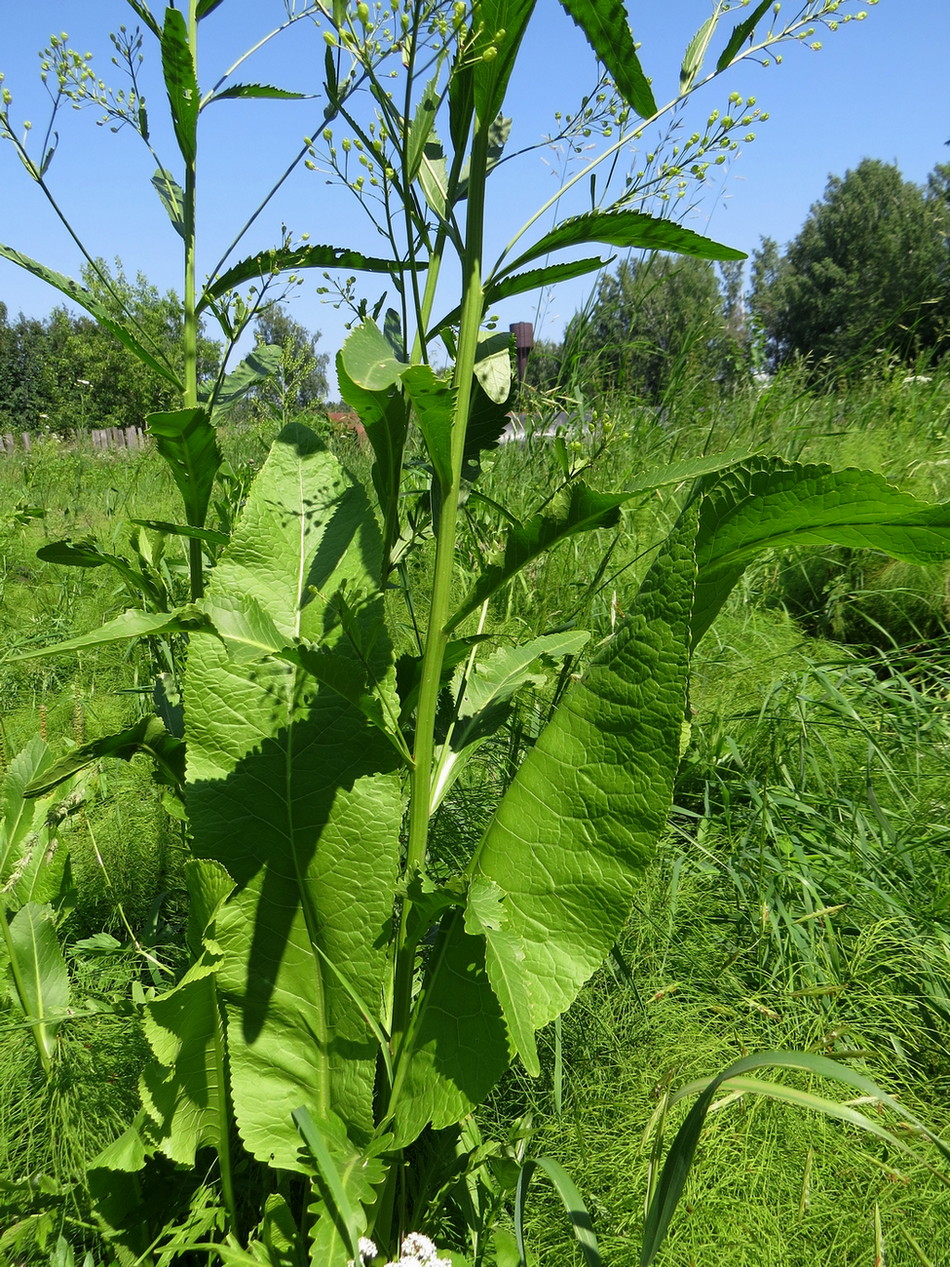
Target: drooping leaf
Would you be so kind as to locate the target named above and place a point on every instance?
(768, 502)
(185, 1092)
(434, 178)
(630, 229)
(433, 400)
(208, 885)
(86, 554)
(741, 32)
(188, 443)
(19, 813)
(382, 410)
(205, 7)
(486, 425)
(695, 53)
(604, 22)
(268, 743)
(456, 1048)
(172, 197)
(571, 1200)
(285, 260)
(493, 365)
(85, 299)
(181, 83)
(256, 368)
(368, 359)
(573, 510)
(258, 91)
(572, 835)
(40, 978)
(210, 536)
(147, 735)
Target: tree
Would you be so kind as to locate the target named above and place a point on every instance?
(69, 373)
(653, 323)
(300, 383)
(868, 272)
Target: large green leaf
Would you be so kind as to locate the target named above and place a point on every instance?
(604, 22)
(630, 229)
(85, 299)
(188, 443)
(291, 789)
(768, 502)
(181, 82)
(554, 876)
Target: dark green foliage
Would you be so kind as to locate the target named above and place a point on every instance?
(67, 374)
(867, 273)
(653, 323)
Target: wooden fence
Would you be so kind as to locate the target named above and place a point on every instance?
(102, 438)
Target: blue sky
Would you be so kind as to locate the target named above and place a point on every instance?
(878, 88)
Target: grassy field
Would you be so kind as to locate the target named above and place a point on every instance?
(801, 898)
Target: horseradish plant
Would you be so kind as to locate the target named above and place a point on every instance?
(345, 1011)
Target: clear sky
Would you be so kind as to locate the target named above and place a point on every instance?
(878, 88)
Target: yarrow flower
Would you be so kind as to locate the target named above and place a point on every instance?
(418, 1251)
(368, 1252)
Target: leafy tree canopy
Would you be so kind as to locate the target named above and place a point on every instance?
(867, 273)
(67, 373)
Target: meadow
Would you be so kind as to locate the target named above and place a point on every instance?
(798, 898)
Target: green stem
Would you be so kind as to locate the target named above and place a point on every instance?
(473, 303)
(190, 315)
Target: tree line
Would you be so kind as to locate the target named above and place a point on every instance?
(65, 373)
(868, 276)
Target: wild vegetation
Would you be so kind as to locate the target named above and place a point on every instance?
(427, 868)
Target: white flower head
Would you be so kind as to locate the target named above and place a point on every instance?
(415, 1245)
(368, 1252)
